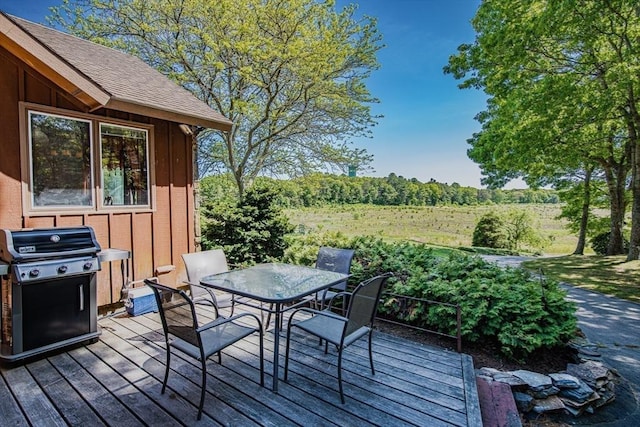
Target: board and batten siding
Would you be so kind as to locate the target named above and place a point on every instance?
(155, 237)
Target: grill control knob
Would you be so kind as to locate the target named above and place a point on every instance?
(34, 273)
(87, 265)
(62, 269)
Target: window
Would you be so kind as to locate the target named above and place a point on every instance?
(60, 161)
(64, 152)
(123, 153)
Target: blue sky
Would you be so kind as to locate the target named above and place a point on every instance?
(427, 119)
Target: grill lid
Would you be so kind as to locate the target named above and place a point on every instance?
(39, 243)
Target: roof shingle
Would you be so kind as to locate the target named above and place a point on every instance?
(127, 79)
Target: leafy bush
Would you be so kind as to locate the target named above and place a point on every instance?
(252, 230)
(505, 307)
(303, 249)
(491, 232)
(600, 243)
(513, 231)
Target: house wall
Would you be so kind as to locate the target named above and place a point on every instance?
(155, 238)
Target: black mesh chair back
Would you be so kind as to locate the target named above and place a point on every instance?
(332, 259)
(363, 304)
(178, 314)
(338, 260)
(183, 332)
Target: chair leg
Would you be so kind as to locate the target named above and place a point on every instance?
(340, 375)
(166, 371)
(286, 352)
(203, 389)
(373, 372)
(233, 305)
(266, 324)
(261, 357)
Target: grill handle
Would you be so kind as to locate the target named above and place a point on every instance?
(81, 288)
(54, 255)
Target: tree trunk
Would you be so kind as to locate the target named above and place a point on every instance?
(615, 177)
(634, 240)
(584, 219)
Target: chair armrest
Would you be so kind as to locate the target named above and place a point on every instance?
(222, 320)
(211, 294)
(319, 313)
(339, 294)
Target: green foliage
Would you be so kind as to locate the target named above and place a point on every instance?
(290, 74)
(491, 232)
(328, 189)
(252, 230)
(505, 307)
(600, 243)
(511, 232)
(561, 80)
(303, 248)
(522, 231)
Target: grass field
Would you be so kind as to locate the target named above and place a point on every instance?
(610, 275)
(450, 226)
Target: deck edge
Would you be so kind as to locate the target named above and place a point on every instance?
(474, 416)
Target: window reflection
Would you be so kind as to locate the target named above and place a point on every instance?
(61, 161)
(125, 179)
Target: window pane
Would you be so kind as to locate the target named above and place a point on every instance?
(125, 179)
(60, 161)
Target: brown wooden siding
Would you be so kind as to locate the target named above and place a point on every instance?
(155, 238)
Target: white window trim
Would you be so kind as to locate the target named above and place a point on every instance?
(30, 160)
(28, 208)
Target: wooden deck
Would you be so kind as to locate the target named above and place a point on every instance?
(117, 380)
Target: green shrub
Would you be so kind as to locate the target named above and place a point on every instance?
(250, 231)
(491, 232)
(506, 307)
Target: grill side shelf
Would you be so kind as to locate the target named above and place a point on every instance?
(4, 268)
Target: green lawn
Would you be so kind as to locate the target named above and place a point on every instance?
(608, 275)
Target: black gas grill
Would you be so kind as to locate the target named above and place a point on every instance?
(48, 293)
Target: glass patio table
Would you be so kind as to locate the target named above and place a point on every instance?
(278, 285)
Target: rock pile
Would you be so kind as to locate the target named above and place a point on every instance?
(582, 388)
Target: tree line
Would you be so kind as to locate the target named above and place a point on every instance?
(321, 189)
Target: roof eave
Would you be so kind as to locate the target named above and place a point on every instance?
(173, 116)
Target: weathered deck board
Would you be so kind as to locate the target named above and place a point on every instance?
(117, 382)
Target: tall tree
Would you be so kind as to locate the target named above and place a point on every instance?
(290, 74)
(560, 91)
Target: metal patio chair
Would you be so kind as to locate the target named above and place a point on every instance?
(205, 263)
(332, 259)
(342, 331)
(182, 331)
